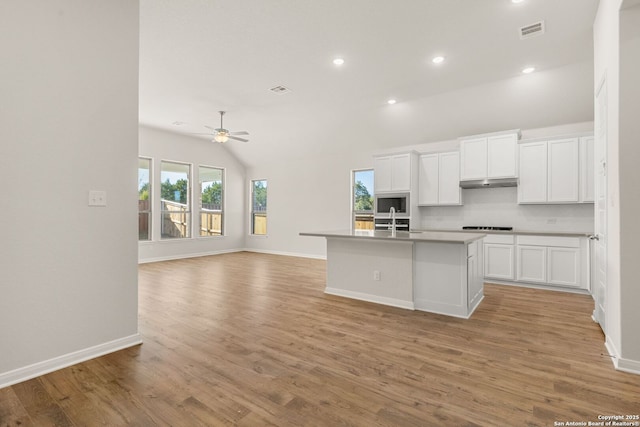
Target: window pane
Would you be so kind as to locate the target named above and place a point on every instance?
(259, 207)
(144, 199)
(211, 193)
(176, 209)
(363, 199)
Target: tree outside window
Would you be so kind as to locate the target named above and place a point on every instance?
(362, 201)
(211, 198)
(144, 199)
(175, 200)
(259, 207)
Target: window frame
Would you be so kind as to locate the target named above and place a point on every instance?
(253, 212)
(188, 227)
(354, 213)
(223, 197)
(150, 199)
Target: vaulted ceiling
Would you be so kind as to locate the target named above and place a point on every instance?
(201, 56)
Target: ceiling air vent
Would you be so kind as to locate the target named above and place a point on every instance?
(532, 30)
(280, 89)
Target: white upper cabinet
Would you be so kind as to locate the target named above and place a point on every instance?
(550, 172)
(501, 156)
(449, 179)
(439, 179)
(493, 156)
(429, 182)
(382, 173)
(401, 172)
(392, 173)
(562, 171)
(473, 159)
(532, 187)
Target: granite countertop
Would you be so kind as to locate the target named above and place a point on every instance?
(408, 236)
(515, 231)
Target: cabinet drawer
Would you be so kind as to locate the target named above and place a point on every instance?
(557, 241)
(500, 238)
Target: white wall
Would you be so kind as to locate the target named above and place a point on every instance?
(68, 124)
(161, 145)
(616, 61)
(306, 194)
(629, 146)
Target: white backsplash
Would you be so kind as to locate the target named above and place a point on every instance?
(499, 207)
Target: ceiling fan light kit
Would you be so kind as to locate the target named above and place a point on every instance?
(222, 135)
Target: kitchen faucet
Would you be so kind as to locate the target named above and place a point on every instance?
(392, 215)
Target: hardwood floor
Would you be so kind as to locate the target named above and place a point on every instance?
(251, 339)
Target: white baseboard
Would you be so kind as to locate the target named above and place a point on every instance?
(538, 286)
(294, 254)
(228, 251)
(442, 308)
(37, 369)
(621, 364)
(370, 298)
(190, 255)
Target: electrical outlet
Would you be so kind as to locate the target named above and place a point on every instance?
(376, 275)
(97, 198)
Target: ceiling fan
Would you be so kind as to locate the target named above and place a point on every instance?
(222, 135)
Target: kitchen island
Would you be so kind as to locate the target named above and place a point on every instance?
(439, 272)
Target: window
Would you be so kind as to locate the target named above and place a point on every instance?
(175, 200)
(144, 199)
(362, 199)
(259, 207)
(211, 202)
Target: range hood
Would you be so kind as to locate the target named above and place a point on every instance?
(490, 183)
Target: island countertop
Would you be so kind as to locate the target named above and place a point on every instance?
(409, 236)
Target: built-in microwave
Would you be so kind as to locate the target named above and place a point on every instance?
(384, 203)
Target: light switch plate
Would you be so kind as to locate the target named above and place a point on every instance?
(97, 198)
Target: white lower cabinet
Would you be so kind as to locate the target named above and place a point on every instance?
(532, 264)
(557, 261)
(499, 257)
(550, 260)
(563, 266)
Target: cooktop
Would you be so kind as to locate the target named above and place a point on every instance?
(486, 227)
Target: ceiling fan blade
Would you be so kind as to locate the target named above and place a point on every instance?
(209, 127)
(241, 132)
(238, 139)
(202, 133)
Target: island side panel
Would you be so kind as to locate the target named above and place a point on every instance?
(440, 282)
(351, 264)
(475, 272)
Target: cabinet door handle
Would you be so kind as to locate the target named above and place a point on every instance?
(594, 237)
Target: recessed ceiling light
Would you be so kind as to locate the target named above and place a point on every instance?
(528, 70)
(338, 61)
(391, 101)
(516, 1)
(437, 59)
